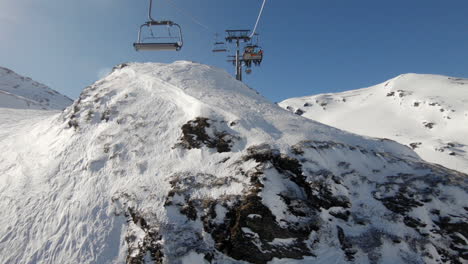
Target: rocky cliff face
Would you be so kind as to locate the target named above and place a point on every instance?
(180, 163)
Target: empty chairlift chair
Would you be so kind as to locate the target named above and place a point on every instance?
(158, 43)
(220, 47)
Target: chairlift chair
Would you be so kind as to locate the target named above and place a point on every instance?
(252, 53)
(220, 47)
(237, 35)
(175, 43)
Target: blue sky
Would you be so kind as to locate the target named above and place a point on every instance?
(311, 46)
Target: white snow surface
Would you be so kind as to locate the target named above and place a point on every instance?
(21, 92)
(402, 109)
(69, 181)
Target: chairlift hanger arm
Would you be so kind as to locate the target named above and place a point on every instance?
(152, 21)
(150, 10)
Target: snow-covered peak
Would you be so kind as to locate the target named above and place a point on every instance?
(449, 93)
(197, 90)
(180, 163)
(21, 92)
(426, 112)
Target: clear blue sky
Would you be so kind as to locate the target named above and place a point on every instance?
(311, 46)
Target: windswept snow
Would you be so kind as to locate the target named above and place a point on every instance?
(23, 93)
(426, 112)
(181, 163)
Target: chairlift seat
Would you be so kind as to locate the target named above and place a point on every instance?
(176, 46)
(252, 56)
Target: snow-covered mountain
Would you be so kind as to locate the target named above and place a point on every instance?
(20, 92)
(181, 163)
(429, 113)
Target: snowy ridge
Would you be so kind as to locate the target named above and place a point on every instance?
(23, 93)
(180, 163)
(426, 112)
(9, 100)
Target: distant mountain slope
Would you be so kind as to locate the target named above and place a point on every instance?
(23, 93)
(182, 164)
(427, 112)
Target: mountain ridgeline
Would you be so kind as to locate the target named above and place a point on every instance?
(19, 92)
(428, 113)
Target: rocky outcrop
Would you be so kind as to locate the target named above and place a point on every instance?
(311, 207)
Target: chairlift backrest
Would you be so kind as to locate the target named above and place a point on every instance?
(142, 45)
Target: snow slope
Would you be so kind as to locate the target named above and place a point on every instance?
(427, 112)
(23, 93)
(181, 163)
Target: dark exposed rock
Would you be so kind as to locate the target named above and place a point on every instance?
(322, 197)
(151, 243)
(429, 125)
(447, 257)
(448, 226)
(189, 210)
(400, 203)
(299, 112)
(344, 165)
(415, 145)
(413, 222)
(195, 135)
(346, 245)
(402, 93)
(344, 215)
(120, 66)
(250, 228)
(72, 120)
(106, 115)
(242, 245)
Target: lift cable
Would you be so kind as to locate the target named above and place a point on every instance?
(186, 13)
(258, 19)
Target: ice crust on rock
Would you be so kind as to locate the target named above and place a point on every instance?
(181, 163)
